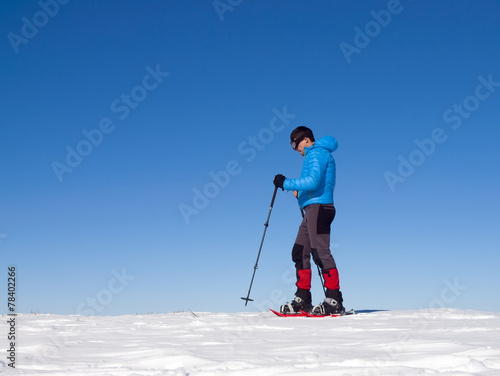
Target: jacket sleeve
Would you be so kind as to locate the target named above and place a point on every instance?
(315, 171)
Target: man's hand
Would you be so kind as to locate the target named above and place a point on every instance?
(296, 194)
(279, 180)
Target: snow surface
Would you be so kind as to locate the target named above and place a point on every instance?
(438, 341)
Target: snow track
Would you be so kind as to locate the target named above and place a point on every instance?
(441, 341)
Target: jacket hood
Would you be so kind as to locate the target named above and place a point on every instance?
(327, 142)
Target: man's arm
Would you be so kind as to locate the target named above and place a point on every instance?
(317, 167)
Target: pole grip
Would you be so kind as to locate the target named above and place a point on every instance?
(274, 195)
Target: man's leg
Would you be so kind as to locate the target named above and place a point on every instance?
(300, 255)
(319, 232)
(301, 252)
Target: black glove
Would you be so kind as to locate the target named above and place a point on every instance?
(279, 180)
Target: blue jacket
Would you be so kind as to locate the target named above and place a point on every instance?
(317, 181)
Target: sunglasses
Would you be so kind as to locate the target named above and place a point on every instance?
(295, 143)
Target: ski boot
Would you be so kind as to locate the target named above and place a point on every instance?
(301, 302)
(332, 305)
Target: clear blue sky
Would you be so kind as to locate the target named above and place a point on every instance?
(115, 117)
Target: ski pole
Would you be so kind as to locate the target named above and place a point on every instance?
(247, 299)
(316, 259)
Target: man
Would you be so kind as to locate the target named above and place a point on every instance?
(314, 190)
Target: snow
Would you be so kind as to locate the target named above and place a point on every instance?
(436, 341)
